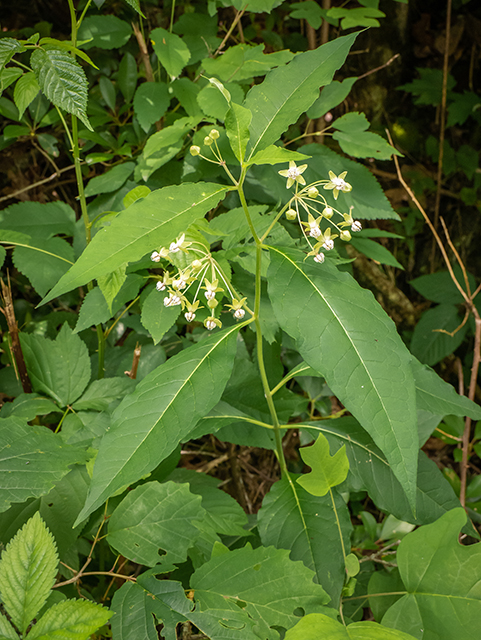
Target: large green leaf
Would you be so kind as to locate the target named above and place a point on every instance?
(307, 525)
(343, 333)
(370, 471)
(32, 460)
(289, 91)
(237, 123)
(244, 61)
(73, 619)
(39, 220)
(259, 581)
(443, 583)
(157, 219)
(25, 91)
(62, 80)
(8, 48)
(151, 101)
(27, 572)
(110, 181)
(156, 516)
(166, 405)
(429, 342)
(437, 396)
(172, 52)
(59, 368)
(105, 32)
(316, 626)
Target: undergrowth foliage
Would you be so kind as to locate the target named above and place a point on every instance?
(206, 252)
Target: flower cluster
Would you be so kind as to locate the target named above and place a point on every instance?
(307, 200)
(202, 265)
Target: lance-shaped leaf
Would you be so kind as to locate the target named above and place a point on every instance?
(343, 333)
(326, 471)
(32, 460)
(148, 424)
(27, 572)
(156, 516)
(318, 625)
(315, 530)
(287, 92)
(157, 220)
(237, 123)
(443, 583)
(62, 80)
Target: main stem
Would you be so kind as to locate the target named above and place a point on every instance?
(259, 346)
(81, 191)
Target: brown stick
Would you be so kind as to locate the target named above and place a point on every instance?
(143, 52)
(15, 348)
(135, 362)
(37, 184)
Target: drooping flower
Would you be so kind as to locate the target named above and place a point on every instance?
(236, 307)
(319, 257)
(211, 288)
(293, 174)
(337, 184)
(211, 323)
(179, 245)
(356, 226)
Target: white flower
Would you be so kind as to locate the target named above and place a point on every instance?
(155, 257)
(210, 295)
(179, 284)
(356, 226)
(293, 174)
(239, 314)
(160, 286)
(314, 232)
(189, 316)
(328, 244)
(319, 257)
(337, 183)
(210, 324)
(172, 300)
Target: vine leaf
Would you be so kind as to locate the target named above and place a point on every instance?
(158, 219)
(63, 81)
(27, 572)
(291, 518)
(327, 471)
(442, 579)
(149, 423)
(343, 333)
(287, 92)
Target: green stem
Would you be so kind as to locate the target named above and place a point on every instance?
(172, 16)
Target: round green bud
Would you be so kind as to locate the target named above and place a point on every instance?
(345, 235)
(194, 150)
(312, 192)
(291, 214)
(328, 212)
(214, 134)
(196, 264)
(212, 304)
(208, 141)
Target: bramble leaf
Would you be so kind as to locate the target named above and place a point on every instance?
(72, 619)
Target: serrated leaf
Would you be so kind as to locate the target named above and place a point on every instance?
(39, 220)
(28, 406)
(25, 91)
(62, 80)
(442, 579)
(7, 632)
(158, 219)
(369, 471)
(8, 77)
(43, 262)
(165, 519)
(275, 155)
(61, 369)
(156, 317)
(317, 625)
(32, 460)
(72, 619)
(171, 50)
(27, 572)
(326, 471)
(260, 582)
(105, 32)
(289, 91)
(101, 393)
(151, 101)
(111, 180)
(166, 405)
(8, 48)
(359, 353)
(313, 528)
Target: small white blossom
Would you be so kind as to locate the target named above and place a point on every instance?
(337, 183)
(189, 316)
(328, 244)
(210, 295)
(172, 300)
(239, 314)
(180, 283)
(160, 286)
(319, 257)
(356, 226)
(293, 174)
(210, 324)
(155, 257)
(314, 231)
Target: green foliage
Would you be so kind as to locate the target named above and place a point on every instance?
(326, 471)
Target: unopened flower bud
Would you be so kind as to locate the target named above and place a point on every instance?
(291, 214)
(319, 257)
(155, 257)
(312, 192)
(160, 286)
(239, 314)
(212, 303)
(194, 150)
(196, 264)
(356, 226)
(189, 316)
(214, 134)
(345, 235)
(327, 213)
(208, 141)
